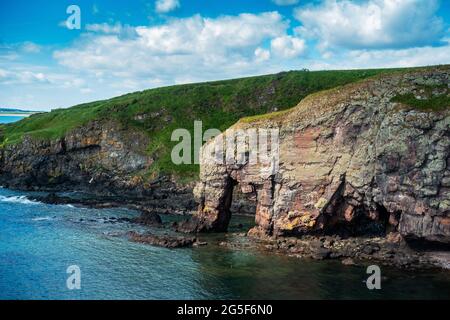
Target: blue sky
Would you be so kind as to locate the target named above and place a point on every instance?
(125, 46)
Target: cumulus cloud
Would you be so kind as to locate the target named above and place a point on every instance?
(15, 50)
(372, 24)
(19, 74)
(384, 58)
(412, 57)
(262, 54)
(285, 2)
(42, 83)
(21, 77)
(198, 47)
(288, 46)
(164, 6)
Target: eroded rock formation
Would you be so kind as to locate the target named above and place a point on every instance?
(351, 160)
(104, 159)
(101, 156)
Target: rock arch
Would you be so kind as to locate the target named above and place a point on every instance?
(215, 198)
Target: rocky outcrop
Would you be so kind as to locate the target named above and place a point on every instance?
(100, 155)
(165, 240)
(351, 161)
(102, 158)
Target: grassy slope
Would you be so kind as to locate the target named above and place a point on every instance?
(218, 104)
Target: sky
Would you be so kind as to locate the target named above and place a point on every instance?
(127, 46)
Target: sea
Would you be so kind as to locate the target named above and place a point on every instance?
(10, 119)
(41, 245)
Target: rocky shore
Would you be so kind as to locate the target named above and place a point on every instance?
(389, 250)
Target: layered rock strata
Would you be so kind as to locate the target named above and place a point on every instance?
(351, 161)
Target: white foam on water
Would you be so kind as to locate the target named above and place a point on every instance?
(42, 219)
(18, 199)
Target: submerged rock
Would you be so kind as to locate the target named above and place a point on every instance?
(348, 262)
(165, 241)
(148, 218)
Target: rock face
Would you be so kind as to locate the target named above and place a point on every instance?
(103, 159)
(351, 161)
(99, 156)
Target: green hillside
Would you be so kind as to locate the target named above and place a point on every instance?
(159, 111)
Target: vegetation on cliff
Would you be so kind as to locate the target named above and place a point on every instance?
(159, 111)
(429, 98)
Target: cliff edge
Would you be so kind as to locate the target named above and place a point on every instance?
(366, 158)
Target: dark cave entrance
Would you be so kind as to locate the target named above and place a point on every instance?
(365, 222)
(239, 207)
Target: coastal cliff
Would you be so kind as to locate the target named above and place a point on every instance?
(368, 158)
(99, 154)
(119, 150)
(103, 159)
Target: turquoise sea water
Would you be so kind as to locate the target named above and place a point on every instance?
(38, 242)
(9, 119)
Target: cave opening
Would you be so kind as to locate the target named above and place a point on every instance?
(240, 207)
(363, 222)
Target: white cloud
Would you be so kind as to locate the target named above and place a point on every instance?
(412, 57)
(3, 73)
(164, 6)
(197, 47)
(105, 28)
(288, 46)
(122, 30)
(49, 87)
(24, 74)
(11, 52)
(384, 58)
(262, 54)
(285, 2)
(372, 24)
(21, 77)
(30, 47)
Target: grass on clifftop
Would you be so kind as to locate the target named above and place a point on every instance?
(430, 98)
(159, 111)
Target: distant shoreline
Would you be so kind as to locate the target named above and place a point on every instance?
(15, 114)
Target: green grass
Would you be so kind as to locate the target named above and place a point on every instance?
(264, 116)
(217, 104)
(433, 98)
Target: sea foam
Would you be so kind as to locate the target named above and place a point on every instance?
(18, 199)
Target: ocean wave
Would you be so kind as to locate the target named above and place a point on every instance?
(18, 199)
(42, 219)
